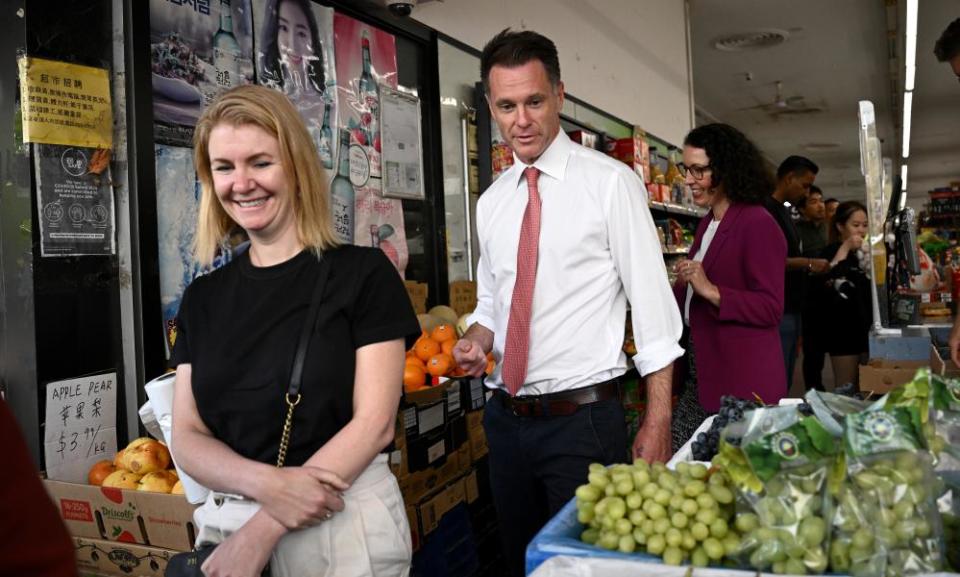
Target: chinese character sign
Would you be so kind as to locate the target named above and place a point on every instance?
(198, 48)
(295, 55)
(80, 427)
(366, 58)
(65, 103)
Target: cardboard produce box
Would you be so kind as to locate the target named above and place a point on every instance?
(431, 510)
(942, 366)
(477, 438)
(414, 526)
(463, 296)
(99, 557)
(416, 486)
(128, 516)
(417, 291)
(879, 376)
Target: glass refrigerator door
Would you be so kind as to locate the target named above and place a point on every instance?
(459, 73)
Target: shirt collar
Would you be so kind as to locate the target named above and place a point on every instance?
(553, 161)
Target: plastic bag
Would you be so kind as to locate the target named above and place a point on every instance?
(784, 503)
(886, 520)
(831, 408)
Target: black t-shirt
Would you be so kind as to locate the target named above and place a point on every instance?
(238, 327)
(793, 279)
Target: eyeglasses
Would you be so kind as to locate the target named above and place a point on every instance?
(695, 170)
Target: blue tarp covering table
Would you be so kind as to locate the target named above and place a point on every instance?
(561, 536)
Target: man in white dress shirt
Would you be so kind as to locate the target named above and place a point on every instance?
(566, 242)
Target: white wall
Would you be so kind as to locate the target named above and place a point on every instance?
(625, 57)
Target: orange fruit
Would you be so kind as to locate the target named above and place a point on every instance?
(414, 378)
(444, 332)
(491, 364)
(415, 361)
(440, 365)
(446, 347)
(426, 348)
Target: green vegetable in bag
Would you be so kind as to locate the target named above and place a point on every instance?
(886, 521)
(784, 501)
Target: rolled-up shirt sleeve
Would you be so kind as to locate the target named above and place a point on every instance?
(637, 255)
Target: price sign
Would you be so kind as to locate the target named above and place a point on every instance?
(80, 426)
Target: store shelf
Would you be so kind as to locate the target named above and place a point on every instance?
(671, 208)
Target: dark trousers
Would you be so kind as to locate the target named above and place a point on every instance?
(789, 335)
(536, 464)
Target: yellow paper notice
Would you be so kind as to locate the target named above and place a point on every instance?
(65, 104)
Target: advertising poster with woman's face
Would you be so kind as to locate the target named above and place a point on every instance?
(366, 59)
(295, 55)
(198, 48)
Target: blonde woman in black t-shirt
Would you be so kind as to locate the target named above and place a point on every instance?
(335, 508)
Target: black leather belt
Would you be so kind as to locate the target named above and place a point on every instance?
(560, 403)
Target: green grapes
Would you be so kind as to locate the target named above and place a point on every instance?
(682, 516)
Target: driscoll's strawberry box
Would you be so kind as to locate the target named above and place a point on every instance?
(155, 519)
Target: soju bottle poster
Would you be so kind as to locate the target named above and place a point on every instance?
(197, 49)
(294, 49)
(366, 59)
(178, 201)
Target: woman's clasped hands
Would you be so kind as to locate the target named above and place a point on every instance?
(299, 497)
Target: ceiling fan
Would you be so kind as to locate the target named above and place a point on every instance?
(784, 104)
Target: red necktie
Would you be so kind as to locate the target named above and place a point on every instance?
(517, 346)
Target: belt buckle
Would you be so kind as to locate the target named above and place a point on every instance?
(521, 407)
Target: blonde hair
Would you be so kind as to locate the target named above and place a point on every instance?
(273, 113)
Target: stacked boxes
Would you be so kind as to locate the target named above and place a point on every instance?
(437, 431)
(123, 532)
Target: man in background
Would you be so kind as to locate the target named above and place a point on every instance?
(947, 48)
(812, 228)
(812, 225)
(830, 205)
(795, 176)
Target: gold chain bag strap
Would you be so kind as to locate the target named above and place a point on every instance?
(296, 373)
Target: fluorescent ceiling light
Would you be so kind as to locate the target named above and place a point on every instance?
(907, 111)
(903, 177)
(910, 59)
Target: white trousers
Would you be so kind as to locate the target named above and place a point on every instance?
(369, 538)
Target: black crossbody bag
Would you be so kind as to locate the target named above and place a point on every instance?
(188, 564)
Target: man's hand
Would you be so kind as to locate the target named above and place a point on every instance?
(653, 441)
(299, 497)
(470, 352)
(470, 357)
(243, 554)
(819, 265)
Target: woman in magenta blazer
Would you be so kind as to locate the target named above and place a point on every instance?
(731, 291)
